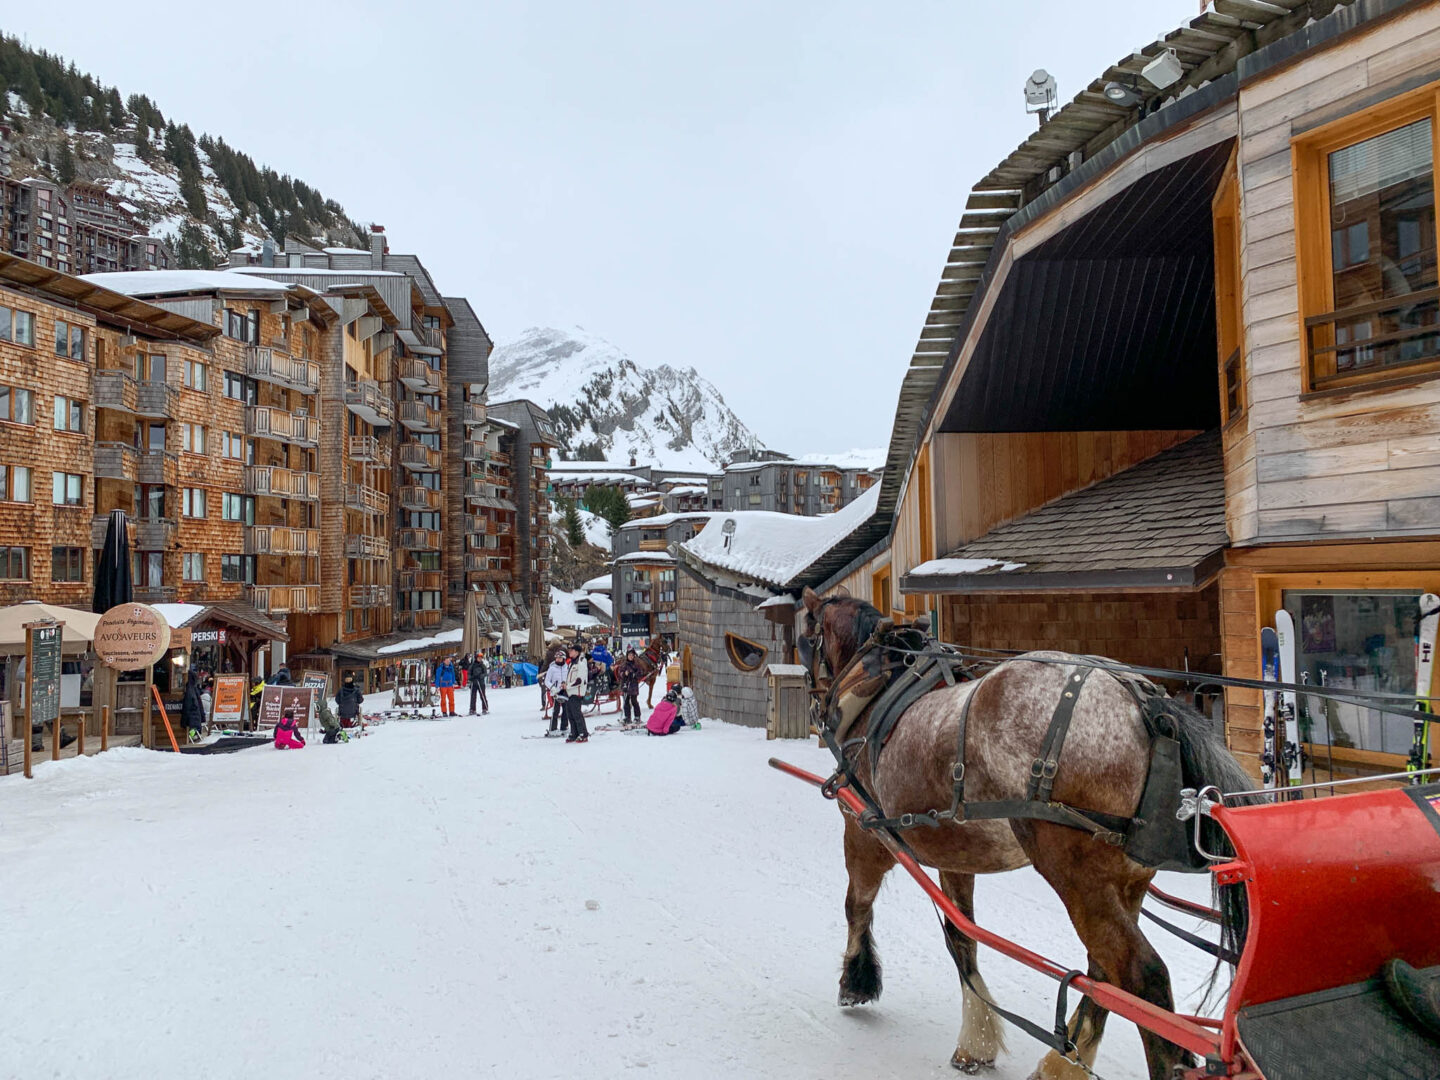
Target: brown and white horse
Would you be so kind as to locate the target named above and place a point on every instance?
(652, 663)
(1103, 767)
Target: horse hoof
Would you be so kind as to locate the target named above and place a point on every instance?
(969, 1065)
(850, 998)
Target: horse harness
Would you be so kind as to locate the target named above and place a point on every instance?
(898, 665)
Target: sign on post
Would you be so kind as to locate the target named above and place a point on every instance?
(275, 701)
(229, 706)
(42, 682)
(131, 637)
(319, 681)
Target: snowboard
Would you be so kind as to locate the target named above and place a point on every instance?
(1424, 681)
(1287, 726)
(1270, 672)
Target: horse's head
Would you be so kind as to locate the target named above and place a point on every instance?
(834, 629)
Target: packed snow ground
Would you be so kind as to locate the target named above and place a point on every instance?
(446, 899)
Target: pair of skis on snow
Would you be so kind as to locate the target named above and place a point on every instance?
(1281, 759)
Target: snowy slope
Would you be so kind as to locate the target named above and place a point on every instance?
(446, 899)
(601, 400)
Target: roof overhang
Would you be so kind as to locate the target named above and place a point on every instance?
(1177, 578)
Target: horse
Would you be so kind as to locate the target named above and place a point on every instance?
(652, 662)
(1103, 767)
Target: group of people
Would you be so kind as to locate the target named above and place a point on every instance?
(577, 671)
(472, 670)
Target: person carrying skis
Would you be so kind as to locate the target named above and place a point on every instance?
(627, 673)
(349, 701)
(477, 671)
(445, 681)
(555, 684)
(577, 682)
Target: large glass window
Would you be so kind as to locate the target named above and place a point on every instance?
(1360, 641)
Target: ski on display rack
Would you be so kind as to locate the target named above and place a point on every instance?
(1270, 672)
(1287, 724)
(1424, 683)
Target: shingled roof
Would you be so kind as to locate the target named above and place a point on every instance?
(1158, 524)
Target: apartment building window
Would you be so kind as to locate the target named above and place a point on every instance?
(350, 620)
(17, 326)
(151, 505)
(196, 375)
(1365, 228)
(755, 499)
(67, 564)
(239, 388)
(238, 508)
(192, 502)
(192, 438)
(192, 566)
(69, 414)
(69, 340)
(237, 568)
(67, 489)
(17, 405)
(232, 445)
(150, 367)
(243, 325)
(150, 569)
(14, 564)
(153, 436)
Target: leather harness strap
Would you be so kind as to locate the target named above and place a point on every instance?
(1044, 767)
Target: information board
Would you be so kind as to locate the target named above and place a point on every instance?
(44, 673)
(229, 709)
(275, 700)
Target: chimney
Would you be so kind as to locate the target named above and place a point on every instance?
(632, 459)
(267, 253)
(377, 247)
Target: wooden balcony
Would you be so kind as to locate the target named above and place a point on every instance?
(654, 545)
(368, 448)
(281, 540)
(369, 596)
(366, 499)
(367, 547)
(282, 483)
(476, 488)
(370, 401)
(116, 461)
(114, 390)
(417, 416)
(417, 620)
(431, 337)
(418, 457)
(415, 497)
(284, 599)
(475, 413)
(156, 399)
(474, 524)
(418, 375)
(267, 422)
(500, 458)
(419, 539)
(100, 524)
(154, 594)
(158, 467)
(154, 534)
(282, 369)
(420, 580)
(475, 450)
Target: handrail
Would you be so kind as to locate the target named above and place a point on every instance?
(1375, 306)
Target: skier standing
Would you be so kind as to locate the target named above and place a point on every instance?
(348, 701)
(445, 680)
(478, 672)
(577, 682)
(555, 683)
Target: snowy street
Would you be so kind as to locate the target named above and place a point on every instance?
(448, 899)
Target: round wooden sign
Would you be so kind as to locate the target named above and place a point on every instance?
(131, 637)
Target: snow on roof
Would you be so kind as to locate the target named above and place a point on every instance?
(177, 615)
(165, 282)
(602, 583)
(563, 611)
(647, 557)
(445, 637)
(852, 459)
(783, 600)
(317, 271)
(568, 477)
(345, 251)
(948, 567)
(776, 547)
(597, 466)
(602, 603)
(786, 463)
(659, 521)
(689, 489)
(639, 501)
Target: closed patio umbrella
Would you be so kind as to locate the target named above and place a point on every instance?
(536, 645)
(470, 635)
(112, 572)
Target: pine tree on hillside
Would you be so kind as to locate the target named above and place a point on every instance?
(574, 527)
(65, 164)
(609, 503)
(143, 150)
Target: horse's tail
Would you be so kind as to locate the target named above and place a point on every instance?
(1205, 762)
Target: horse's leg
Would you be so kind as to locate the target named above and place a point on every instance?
(867, 863)
(1102, 890)
(980, 1036)
(650, 690)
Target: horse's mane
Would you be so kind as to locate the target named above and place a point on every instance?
(848, 635)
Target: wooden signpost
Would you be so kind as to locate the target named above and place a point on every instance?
(42, 684)
(133, 637)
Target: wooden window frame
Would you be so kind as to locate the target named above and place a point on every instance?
(880, 590)
(1316, 284)
(1229, 293)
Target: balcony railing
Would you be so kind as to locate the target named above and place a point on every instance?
(415, 497)
(419, 580)
(369, 596)
(475, 450)
(1398, 334)
(367, 547)
(116, 461)
(419, 539)
(115, 390)
(417, 620)
(474, 524)
(476, 488)
(419, 458)
(274, 366)
(158, 467)
(366, 499)
(268, 422)
(368, 448)
(154, 594)
(499, 458)
(281, 482)
(417, 416)
(370, 401)
(154, 534)
(281, 540)
(475, 413)
(100, 524)
(155, 398)
(418, 375)
(284, 599)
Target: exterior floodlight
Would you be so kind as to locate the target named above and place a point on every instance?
(1165, 70)
(1120, 94)
(1041, 93)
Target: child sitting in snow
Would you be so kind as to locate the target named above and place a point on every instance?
(287, 733)
(665, 719)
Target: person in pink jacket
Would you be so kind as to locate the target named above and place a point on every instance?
(287, 733)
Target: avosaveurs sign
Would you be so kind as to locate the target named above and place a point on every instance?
(131, 637)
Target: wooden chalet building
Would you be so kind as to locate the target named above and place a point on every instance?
(1183, 369)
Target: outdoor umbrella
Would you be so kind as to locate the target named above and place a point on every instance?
(536, 645)
(505, 640)
(79, 626)
(470, 635)
(112, 571)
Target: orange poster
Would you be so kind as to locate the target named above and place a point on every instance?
(229, 700)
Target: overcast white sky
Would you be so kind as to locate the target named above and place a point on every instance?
(765, 191)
